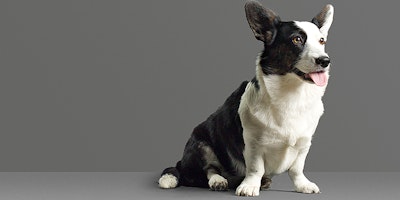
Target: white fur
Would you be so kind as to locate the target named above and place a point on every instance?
(168, 181)
(278, 121)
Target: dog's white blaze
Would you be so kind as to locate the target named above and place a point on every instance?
(312, 48)
(313, 36)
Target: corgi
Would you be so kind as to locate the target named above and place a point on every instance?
(265, 126)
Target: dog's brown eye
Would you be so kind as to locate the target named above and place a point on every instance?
(322, 41)
(297, 40)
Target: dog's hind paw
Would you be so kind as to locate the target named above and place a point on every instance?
(168, 181)
(218, 183)
(265, 183)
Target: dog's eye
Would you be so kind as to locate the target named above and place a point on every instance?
(297, 40)
(322, 41)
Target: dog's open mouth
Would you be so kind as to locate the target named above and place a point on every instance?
(320, 78)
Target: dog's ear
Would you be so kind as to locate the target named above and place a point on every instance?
(262, 21)
(324, 19)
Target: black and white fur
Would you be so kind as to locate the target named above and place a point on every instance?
(265, 126)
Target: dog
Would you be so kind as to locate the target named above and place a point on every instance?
(265, 126)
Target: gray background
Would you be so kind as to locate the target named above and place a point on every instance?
(119, 85)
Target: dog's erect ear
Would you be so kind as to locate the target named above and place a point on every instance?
(262, 21)
(324, 19)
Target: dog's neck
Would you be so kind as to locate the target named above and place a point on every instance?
(280, 88)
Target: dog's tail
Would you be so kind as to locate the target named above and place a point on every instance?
(170, 177)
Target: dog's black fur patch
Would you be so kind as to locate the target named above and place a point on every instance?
(255, 82)
(222, 132)
(282, 54)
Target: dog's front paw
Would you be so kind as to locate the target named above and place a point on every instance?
(248, 190)
(307, 188)
(218, 183)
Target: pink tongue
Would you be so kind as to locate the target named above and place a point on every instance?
(319, 78)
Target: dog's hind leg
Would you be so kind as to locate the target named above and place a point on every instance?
(213, 170)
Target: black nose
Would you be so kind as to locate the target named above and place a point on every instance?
(323, 61)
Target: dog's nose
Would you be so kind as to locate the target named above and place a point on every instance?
(323, 61)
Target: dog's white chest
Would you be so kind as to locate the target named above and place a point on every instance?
(283, 138)
(281, 124)
(279, 157)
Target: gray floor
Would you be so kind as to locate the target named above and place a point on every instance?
(139, 185)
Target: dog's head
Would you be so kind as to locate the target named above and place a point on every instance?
(292, 46)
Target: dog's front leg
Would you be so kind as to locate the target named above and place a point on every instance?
(250, 186)
(301, 183)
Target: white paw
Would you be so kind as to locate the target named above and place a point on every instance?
(248, 190)
(168, 181)
(307, 188)
(218, 183)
